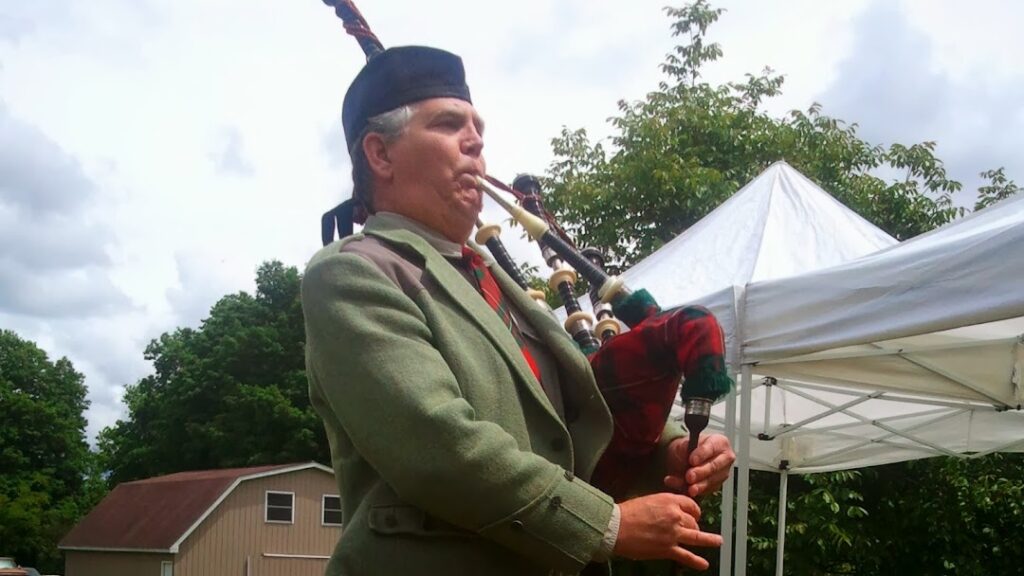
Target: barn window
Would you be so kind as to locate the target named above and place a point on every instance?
(331, 510)
(166, 569)
(280, 506)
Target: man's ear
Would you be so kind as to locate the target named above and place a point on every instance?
(376, 151)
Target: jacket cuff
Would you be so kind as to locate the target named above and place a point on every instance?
(611, 534)
(563, 529)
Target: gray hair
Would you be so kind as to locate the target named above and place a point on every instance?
(390, 125)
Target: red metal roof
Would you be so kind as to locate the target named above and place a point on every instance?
(155, 513)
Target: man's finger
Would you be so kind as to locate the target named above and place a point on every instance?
(707, 447)
(681, 555)
(711, 484)
(675, 482)
(690, 537)
(716, 467)
(687, 522)
(688, 506)
(695, 490)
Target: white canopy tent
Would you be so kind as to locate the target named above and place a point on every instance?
(915, 351)
(779, 225)
(856, 364)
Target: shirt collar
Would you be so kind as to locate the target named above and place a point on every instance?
(444, 246)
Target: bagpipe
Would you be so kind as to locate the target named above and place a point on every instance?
(640, 371)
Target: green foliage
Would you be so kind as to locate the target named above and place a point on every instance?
(934, 517)
(48, 477)
(230, 393)
(677, 155)
(824, 524)
(689, 145)
(999, 187)
(947, 517)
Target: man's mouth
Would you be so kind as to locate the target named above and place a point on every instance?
(468, 180)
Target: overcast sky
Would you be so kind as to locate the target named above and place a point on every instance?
(154, 152)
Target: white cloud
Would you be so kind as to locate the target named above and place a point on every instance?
(901, 83)
(229, 156)
(53, 259)
(144, 113)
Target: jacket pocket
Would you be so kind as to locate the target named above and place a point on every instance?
(409, 520)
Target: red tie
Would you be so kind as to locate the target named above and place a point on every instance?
(474, 264)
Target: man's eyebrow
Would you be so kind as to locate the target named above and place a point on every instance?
(460, 115)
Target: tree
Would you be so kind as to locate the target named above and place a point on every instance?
(689, 145)
(946, 516)
(678, 154)
(230, 393)
(46, 482)
(999, 187)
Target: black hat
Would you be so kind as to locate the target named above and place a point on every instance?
(399, 76)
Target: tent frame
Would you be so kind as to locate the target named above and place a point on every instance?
(944, 410)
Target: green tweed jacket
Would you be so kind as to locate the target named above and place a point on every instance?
(450, 457)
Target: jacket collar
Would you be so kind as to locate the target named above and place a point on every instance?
(465, 297)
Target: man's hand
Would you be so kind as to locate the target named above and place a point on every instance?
(657, 527)
(708, 467)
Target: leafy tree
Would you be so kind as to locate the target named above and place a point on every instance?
(999, 187)
(230, 393)
(825, 523)
(45, 482)
(689, 145)
(946, 517)
(679, 153)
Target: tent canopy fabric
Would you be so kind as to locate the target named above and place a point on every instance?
(915, 351)
(965, 273)
(875, 352)
(862, 351)
(779, 225)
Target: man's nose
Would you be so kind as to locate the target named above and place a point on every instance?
(473, 142)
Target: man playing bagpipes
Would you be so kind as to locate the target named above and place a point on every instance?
(464, 424)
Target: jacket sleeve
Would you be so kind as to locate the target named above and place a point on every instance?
(652, 479)
(371, 358)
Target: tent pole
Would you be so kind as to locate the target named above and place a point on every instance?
(728, 493)
(743, 478)
(780, 541)
(845, 354)
(834, 386)
(789, 428)
(879, 424)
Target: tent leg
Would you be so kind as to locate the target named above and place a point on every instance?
(743, 478)
(728, 493)
(780, 542)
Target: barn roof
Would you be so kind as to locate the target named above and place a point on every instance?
(156, 514)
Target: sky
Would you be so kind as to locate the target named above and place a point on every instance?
(154, 152)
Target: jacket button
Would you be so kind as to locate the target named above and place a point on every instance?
(517, 524)
(558, 444)
(390, 521)
(568, 476)
(555, 502)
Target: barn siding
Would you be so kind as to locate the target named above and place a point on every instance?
(236, 531)
(83, 563)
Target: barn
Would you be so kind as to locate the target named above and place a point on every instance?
(260, 521)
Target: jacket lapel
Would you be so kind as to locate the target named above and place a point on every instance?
(465, 298)
(543, 325)
(577, 379)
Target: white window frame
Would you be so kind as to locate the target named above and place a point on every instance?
(166, 568)
(266, 507)
(323, 509)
